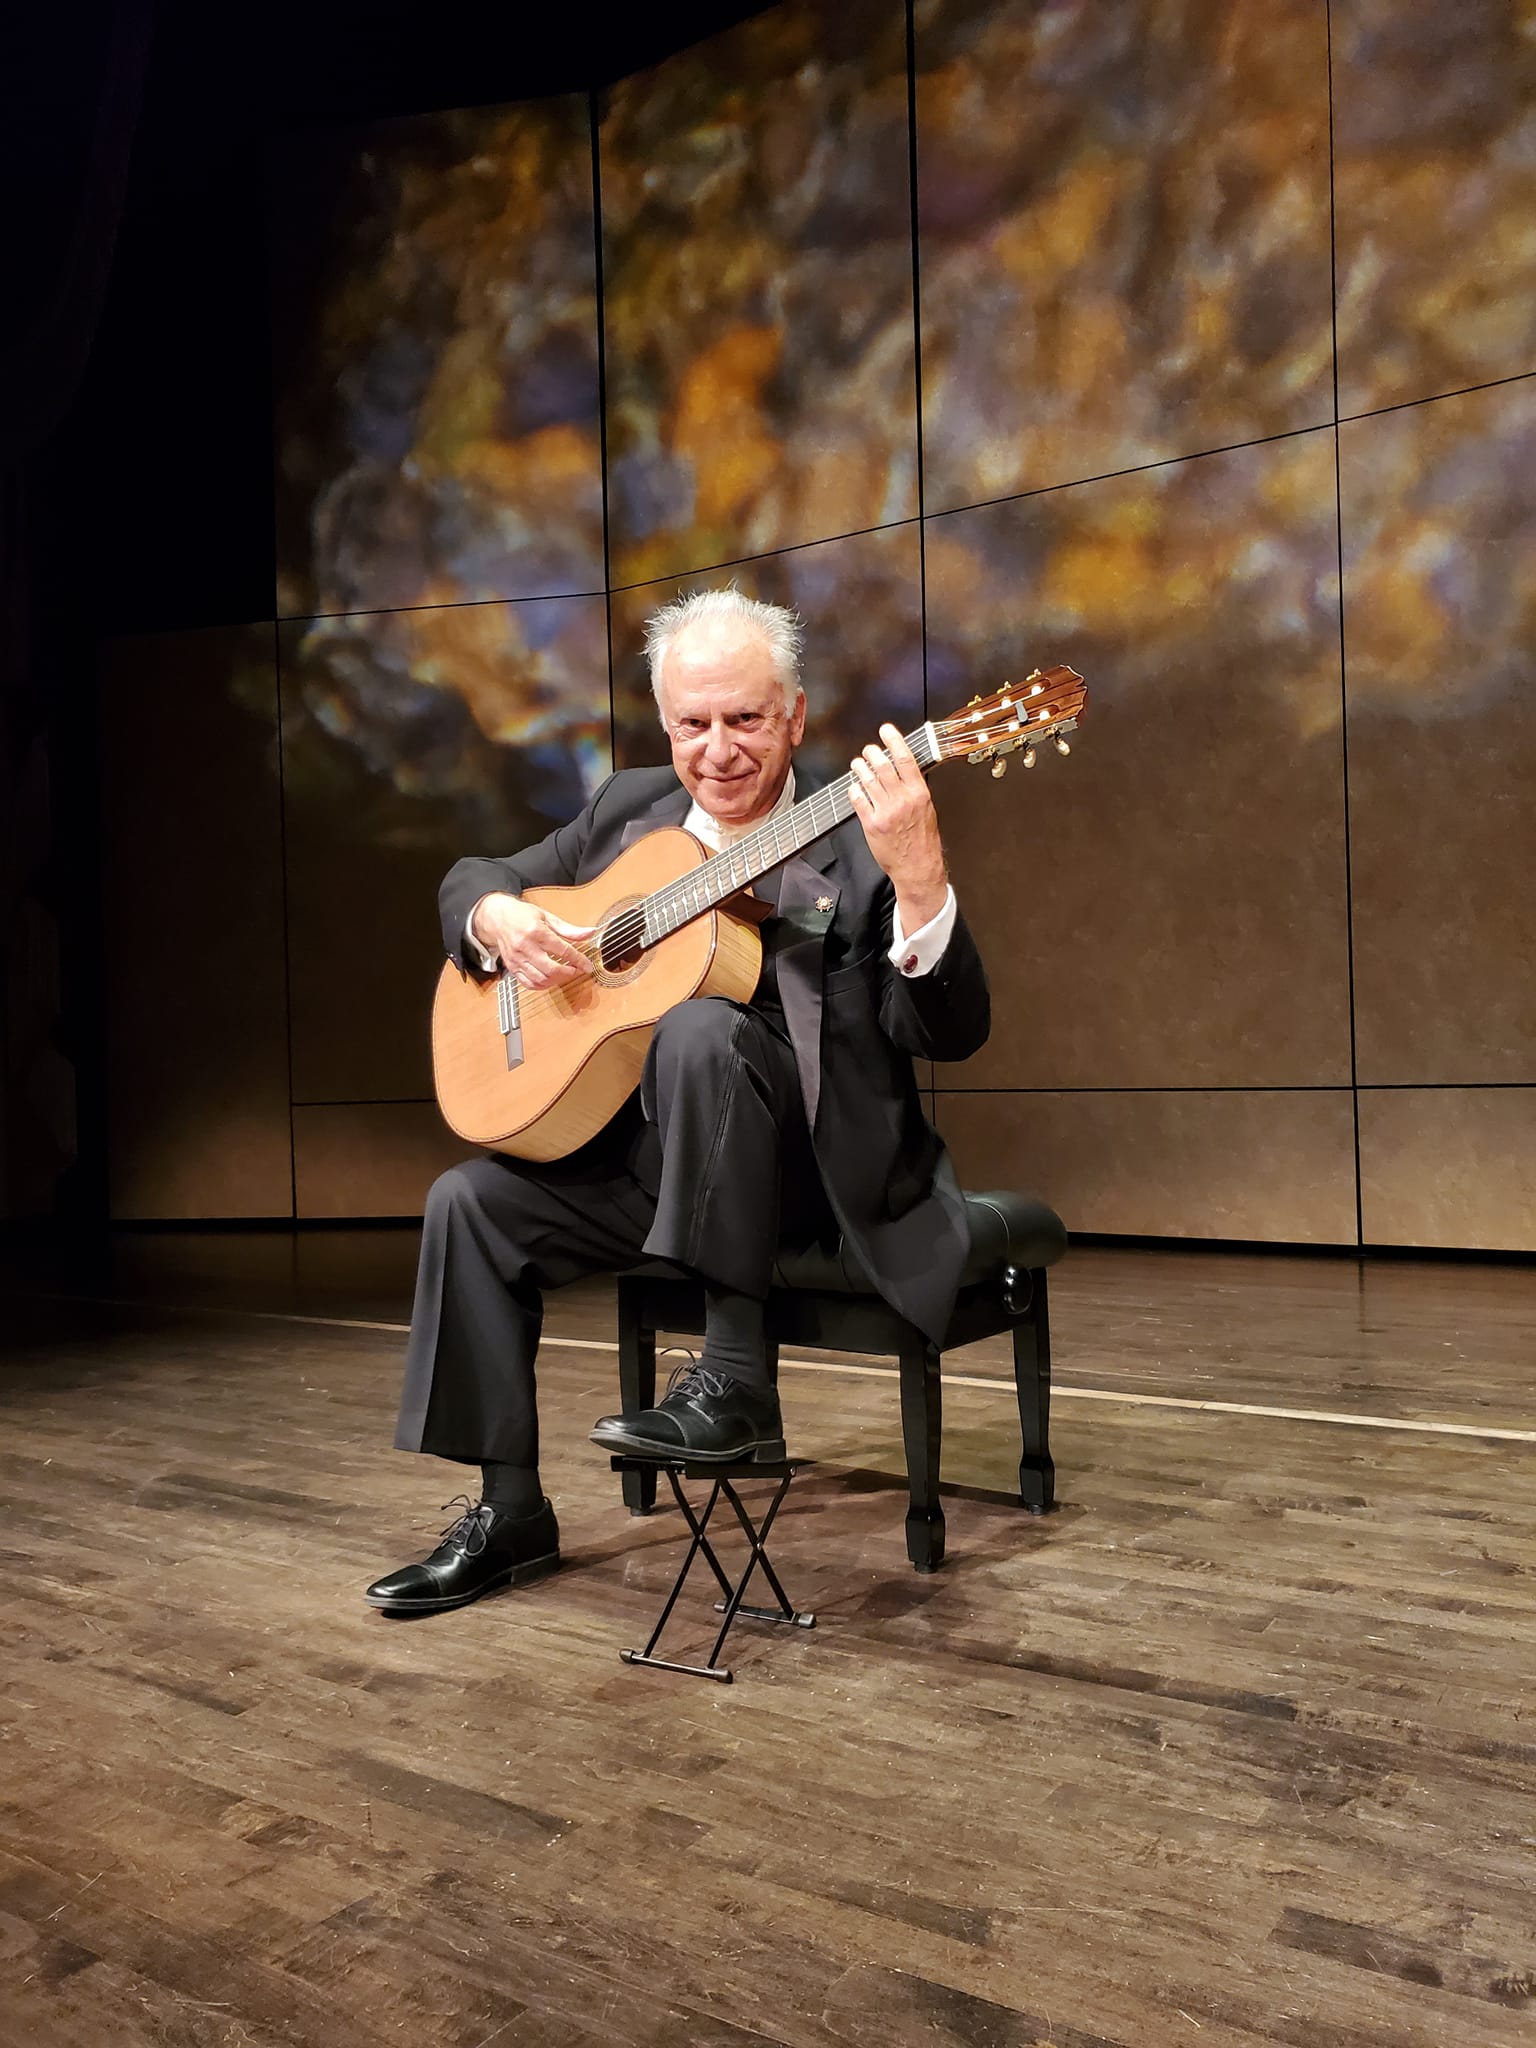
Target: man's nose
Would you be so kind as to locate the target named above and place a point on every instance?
(721, 745)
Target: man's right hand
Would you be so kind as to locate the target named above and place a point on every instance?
(535, 946)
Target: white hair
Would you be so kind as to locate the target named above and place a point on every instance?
(780, 629)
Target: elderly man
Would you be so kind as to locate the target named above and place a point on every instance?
(789, 1119)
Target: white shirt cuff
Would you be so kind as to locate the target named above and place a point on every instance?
(489, 962)
(922, 952)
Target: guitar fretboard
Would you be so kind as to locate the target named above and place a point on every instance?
(726, 874)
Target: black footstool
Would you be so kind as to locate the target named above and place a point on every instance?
(723, 1478)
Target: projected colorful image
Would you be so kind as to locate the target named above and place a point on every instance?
(1440, 554)
(489, 721)
(1168, 581)
(1435, 198)
(1124, 235)
(757, 281)
(439, 448)
(437, 389)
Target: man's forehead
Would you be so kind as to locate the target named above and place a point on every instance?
(719, 667)
(722, 693)
(719, 645)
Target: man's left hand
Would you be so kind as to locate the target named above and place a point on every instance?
(891, 801)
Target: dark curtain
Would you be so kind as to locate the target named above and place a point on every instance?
(71, 85)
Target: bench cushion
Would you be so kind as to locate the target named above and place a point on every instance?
(1007, 1229)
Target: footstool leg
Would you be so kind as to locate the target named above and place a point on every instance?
(922, 1428)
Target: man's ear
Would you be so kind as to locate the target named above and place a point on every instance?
(797, 720)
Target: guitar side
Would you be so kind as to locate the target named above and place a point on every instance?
(581, 1047)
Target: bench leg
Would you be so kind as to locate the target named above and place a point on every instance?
(922, 1429)
(637, 1386)
(1032, 1376)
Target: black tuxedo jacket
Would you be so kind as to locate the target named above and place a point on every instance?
(855, 1022)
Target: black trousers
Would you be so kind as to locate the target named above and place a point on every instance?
(709, 1166)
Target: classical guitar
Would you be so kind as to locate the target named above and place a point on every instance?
(535, 1073)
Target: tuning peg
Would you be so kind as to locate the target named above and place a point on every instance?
(1029, 757)
(1060, 745)
(999, 768)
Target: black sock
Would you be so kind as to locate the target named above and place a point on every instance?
(512, 1489)
(735, 1337)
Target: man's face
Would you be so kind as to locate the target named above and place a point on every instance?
(724, 713)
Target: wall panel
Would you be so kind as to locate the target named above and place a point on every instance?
(1123, 218)
(367, 1159)
(1273, 1166)
(757, 290)
(1166, 909)
(192, 979)
(1439, 505)
(1449, 1167)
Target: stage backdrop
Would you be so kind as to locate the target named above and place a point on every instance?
(1184, 344)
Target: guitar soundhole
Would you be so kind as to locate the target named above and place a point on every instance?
(618, 943)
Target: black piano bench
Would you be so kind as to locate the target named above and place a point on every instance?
(824, 1301)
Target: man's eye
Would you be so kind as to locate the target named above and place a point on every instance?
(747, 721)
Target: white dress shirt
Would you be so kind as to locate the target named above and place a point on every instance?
(918, 953)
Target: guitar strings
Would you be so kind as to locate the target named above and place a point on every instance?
(628, 930)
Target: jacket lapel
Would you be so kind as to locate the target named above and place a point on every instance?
(670, 809)
(808, 897)
(807, 906)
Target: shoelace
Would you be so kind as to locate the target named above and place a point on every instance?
(693, 1379)
(468, 1532)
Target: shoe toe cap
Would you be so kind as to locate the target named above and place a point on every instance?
(411, 1582)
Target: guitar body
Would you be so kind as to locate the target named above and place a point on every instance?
(579, 1049)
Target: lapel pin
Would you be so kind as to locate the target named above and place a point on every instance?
(823, 903)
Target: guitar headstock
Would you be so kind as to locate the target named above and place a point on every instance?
(1018, 717)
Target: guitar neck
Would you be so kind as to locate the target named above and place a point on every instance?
(726, 874)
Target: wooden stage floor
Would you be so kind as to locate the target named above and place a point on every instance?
(1237, 1747)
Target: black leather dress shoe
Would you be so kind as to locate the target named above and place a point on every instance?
(483, 1549)
(705, 1415)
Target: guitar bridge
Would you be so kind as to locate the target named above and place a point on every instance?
(509, 1017)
